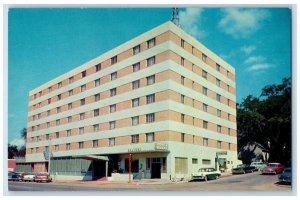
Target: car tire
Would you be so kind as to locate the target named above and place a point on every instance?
(217, 177)
(205, 178)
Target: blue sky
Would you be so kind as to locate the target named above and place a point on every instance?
(45, 43)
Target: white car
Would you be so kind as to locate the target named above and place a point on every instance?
(29, 176)
(206, 174)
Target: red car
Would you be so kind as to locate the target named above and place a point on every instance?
(42, 177)
(273, 168)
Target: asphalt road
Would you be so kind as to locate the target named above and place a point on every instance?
(236, 183)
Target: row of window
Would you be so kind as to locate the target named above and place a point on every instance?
(150, 137)
(114, 59)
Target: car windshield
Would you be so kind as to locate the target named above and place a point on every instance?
(204, 170)
(273, 165)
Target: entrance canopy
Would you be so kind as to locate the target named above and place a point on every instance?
(92, 157)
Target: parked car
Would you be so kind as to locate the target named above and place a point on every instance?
(259, 165)
(29, 176)
(286, 176)
(10, 175)
(243, 169)
(206, 174)
(18, 176)
(42, 177)
(273, 168)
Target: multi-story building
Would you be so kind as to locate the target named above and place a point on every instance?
(162, 96)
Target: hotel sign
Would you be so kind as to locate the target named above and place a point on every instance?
(134, 150)
(161, 146)
(222, 153)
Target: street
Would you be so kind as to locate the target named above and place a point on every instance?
(233, 183)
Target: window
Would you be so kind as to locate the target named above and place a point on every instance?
(182, 80)
(81, 116)
(112, 125)
(83, 74)
(114, 60)
(69, 119)
(81, 130)
(205, 142)
(150, 118)
(70, 106)
(228, 102)
(150, 98)
(68, 133)
(38, 138)
(49, 89)
(219, 113)
(57, 135)
(47, 136)
(204, 57)
(229, 146)
(218, 67)
(135, 84)
(219, 145)
(194, 161)
(40, 93)
(151, 43)
(205, 124)
(227, 73)
(68, 146)
(32, 128)
(135, 102)
(34, 96)
(96, 112)
(95, 143)
(80, 145)
(112, 108)
(58, 110)
(182, 99)
(205, 106)
(204, 91)
(71, 79)
(70, 92)
(48, 124)
(136, 67)
(98, 67)
(228, 88)
(47, 148)
(218, 97)
(48, 112)
(150, 61)
(136, 49)
(97, 82)
(182, 43)
(49, 100)
(97, 97)
(150, 137)
(82, 102)
(150, 80)
(228, 131)
(111, 141)
(39, 116)
(59, 85)
(135, 139)
(135, 120)
(33, 117)
(38, 127)
(182, 61)
(218, 128)
(218, 82)
(204, 74)
(182, 118)
(56, 147)
(96, 127)
(113, 92)
(57, 122)
(193, 125)
(113, 76)
(193, 84)
(82, 88)
(181, 165)
(59, 97)
(228, 116)
(182, 137)
(206, 162)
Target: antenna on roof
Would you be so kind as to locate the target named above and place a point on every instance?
(175, 16)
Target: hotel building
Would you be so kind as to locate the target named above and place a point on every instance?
(162, 96)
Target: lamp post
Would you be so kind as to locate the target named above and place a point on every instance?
(49, 155)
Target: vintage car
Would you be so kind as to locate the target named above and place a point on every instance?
(273, 168)
(17, 176)
(10, 175)
(29, 176)
(243, 169)
(42, 177)
(206, 174)
(259, 165)
(286, 176)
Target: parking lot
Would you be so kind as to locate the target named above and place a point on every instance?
(233, 183)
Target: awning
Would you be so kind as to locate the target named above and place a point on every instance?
(92, 157)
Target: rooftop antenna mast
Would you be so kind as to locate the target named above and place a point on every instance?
(175, 16)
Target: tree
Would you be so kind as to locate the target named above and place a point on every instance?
(267, 120)
(14, 151)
